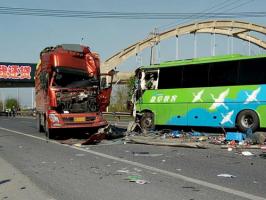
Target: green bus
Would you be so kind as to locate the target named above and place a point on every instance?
(221, 91)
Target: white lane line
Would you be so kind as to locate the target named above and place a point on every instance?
(147, 167)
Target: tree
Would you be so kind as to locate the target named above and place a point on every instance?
(12, 102)
(1, 105)
(119, 99)
(130, 86)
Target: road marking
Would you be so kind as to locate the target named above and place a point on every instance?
(147, 167)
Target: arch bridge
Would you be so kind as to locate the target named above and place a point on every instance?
(237, 29)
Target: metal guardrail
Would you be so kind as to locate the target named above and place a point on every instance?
(18, 113)
(117, 113)
(118, 116)
(31, 113)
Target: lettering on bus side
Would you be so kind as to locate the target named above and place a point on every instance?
(164, 99)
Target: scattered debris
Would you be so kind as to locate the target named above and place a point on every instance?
(137, 179)
(142, 182)
(123, 171)
(235, 136)
(176, 134)
(108, 132)
(226, 175)
(133, 178)
(263, 148)
(157, 140)
(174, 138)
(259, 138)
(95, 138)
(146, 154)
(5, 181)
(77, 145)
(247, 153)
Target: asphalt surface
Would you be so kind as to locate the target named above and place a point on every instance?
(102, 171)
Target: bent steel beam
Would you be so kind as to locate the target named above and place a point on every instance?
(237, 29)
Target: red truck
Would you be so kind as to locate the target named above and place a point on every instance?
(70, 90)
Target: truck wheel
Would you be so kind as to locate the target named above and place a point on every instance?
(247, 119)
(49, 133)
(147, 121)
(40, 127)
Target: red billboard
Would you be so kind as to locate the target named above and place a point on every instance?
(17, 74)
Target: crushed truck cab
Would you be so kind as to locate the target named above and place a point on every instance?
(70, 90)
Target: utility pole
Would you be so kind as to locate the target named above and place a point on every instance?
(154, 50)
(177, 47)
(32, 98)
(195, 45)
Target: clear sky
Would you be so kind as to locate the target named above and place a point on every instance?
(23, 37)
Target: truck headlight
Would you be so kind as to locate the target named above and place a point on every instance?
(53, 118)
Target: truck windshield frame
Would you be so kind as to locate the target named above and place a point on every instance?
(65, 77)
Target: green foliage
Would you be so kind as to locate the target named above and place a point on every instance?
(11, 102)
(1, 105)
(119, 99)
(130, 86)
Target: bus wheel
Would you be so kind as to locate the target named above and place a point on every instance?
(147, 121)
(40, 127)
(247, 119)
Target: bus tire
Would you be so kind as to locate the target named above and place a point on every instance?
(247, 119)
(40, 127)
(147, 121)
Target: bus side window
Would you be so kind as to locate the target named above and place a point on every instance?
(196, 76)
(170, 77)
(225, 73)
(252, 72)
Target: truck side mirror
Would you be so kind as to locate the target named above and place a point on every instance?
(103, 83)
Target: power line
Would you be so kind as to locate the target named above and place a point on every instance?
(216, 6)
(124, 15)
(205, 14)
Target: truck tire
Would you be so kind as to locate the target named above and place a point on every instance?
(147, 121)
(49, 133)
(247, 119)
(40, 127)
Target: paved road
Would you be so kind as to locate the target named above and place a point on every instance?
(101, 171)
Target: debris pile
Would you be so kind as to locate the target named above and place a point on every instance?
(165, 137)
(178, 138)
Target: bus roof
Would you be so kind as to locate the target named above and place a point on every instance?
(203, 60)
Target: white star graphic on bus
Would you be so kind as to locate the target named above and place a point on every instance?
(252, 96)
(220, 100)
(227, 117)
(197, 97)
